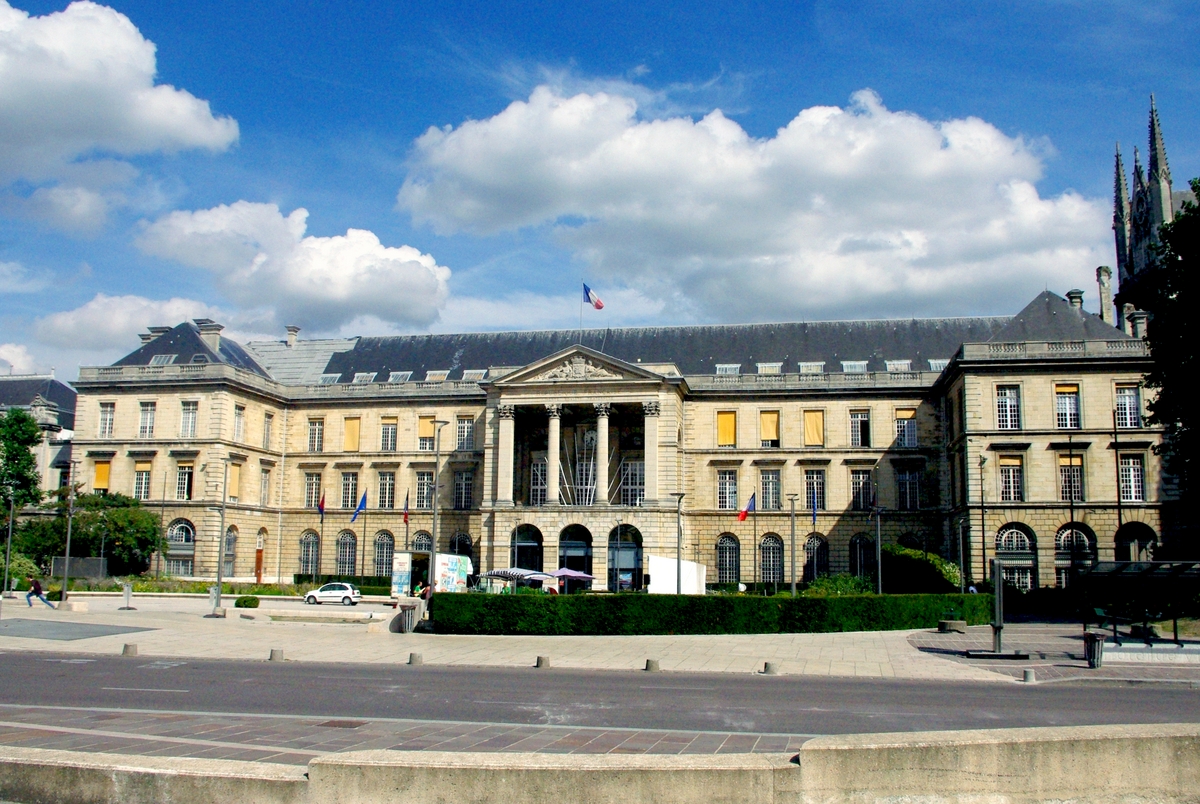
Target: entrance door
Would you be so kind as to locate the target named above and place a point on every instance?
(575, 552)
(625, 559)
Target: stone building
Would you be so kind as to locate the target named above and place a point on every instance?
(52, 404)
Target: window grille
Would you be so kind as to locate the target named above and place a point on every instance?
(187, 419)
(771, 559)
(387, 435)
(1070, 478)
(423, 542)
(729, 559)
(906, 428)
(347, 553)
(146, 420)
(854, 366)
(860, 489)
(727, 495)
(312, 489)
(141, 482)
(180, 567)
(424, 489)
(908, 490)
(316, 435)
(183, 482)
(860, 428)
(816, 558)
(814, 489)
(1012, 480)
(1008, 407)
(1133, 480)
(537, 482)
(769, 496)
(230, 550)
(264, 487)
(239, 423)
(330, 379)
(1129, 406)
(385, 548)
(387, 490)
(310, 554)
(862, 556)
(268, 421)
(162, 360)
(349, 490)
(466, 434)
(181, 536)
(464, 490)
(633, 483)
(363, 378)
(399, 377)
(107, 414)
(1066, 406)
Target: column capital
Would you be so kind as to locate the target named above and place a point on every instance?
(650, 408)
(603, 409)
(554, 411)
(506, 411)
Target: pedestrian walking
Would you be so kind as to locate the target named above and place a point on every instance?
(35, 590)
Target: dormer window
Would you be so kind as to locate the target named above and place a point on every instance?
(854, 366)
(364, 377)
(811, 368)
(770, 368)
(330, 379)
(938, 365)
(728, 369)
(399, 377)
(162, 360)
(898, 365)
(474, 375)
(436, 376)
(199, 358)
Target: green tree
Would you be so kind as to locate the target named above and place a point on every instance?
(119, 526)
(19, 434)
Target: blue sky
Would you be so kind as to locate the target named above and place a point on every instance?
(867, 159)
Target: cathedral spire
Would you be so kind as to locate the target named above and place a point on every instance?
(1158, 179)
(1121, 214)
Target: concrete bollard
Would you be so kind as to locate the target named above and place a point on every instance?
(276, 655)
(652, 666)
(770, 669)
(543, 661)
(416, 659)
(130, 649)
(1030, 677)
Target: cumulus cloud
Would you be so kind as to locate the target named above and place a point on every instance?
(525, 310)
(845, 211)
(258, 256)
(15, 358)
(113, 322)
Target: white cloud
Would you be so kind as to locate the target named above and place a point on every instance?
(524, 310)
(259, 257)
(16, 358)
(855, 211)
(109, 323)
(16, 278)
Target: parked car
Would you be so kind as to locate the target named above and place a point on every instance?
(343, 593)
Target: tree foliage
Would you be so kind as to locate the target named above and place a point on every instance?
(128, 533)
(19, 434)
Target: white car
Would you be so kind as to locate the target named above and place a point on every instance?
(343, 593)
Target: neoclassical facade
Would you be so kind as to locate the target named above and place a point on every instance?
(965, 436)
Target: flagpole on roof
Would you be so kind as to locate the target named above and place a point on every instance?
(581, 312)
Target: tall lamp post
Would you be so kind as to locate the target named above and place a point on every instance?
(678, 495)
(983, 514)
(438, 424)
(70, 522)
(792, 505)
(221, 537)
(878, 512)
(12, 493)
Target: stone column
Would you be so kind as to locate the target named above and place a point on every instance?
(504, 455)
(602, 411)
(651, 451)
(553, 448)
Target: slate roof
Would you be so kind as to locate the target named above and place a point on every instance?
(19, 392)
(300, 364)
(185, 343)
(1050, 317)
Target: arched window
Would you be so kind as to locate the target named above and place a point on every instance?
(816, 557)
(461, 545)
(231, 534)
(1015, 547)
(422, 542)
(385, 547)
(310, 553)
(575, 552)
(181, 537)
(771, 558)
(862, 556)
(624, 558)
(1074, 551)
(526, 548)
(729, 559)
(347, 553)
(910, 540)
(1136, 542)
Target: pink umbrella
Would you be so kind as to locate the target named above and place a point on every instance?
(565, 572)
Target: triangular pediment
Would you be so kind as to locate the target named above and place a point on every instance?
(575, 365)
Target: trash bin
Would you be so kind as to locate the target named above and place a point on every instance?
(407, 618)
(1093, 649)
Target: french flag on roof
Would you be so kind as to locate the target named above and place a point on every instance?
(591, 298)
(749, 509)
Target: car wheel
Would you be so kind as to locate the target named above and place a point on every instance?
(310, 600)
(347, 601)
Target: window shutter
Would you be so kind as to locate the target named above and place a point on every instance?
(142, 466)
(101, 479)
(726, 428)
(1070, 460)
(1066, 389)
(1010, 460)
(768, 423)
(235, 479)
(350, 437)
(388, 420)
(906, 413)
(425, 427)
(814, 428)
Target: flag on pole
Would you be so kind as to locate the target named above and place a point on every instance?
(406, 508)
(321, 507)
(362, 506)
(749, 509)
(591, 298)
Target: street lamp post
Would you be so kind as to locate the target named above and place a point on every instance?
(792, 503)
(438, 424)
(8, 547)
(678, 495)
(878, 511)
(618, 589)
(982, 513)
(221, 537)
(70, 522)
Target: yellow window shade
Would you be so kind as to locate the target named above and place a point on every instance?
(726, 428)
(389, 420)
(1066, 389)
(1010, 460)
(1070, 460)
(235, 479)
(768, 423)
(142, 466)
(350, 438)
(100, 481)
(425, 427)
(906, 413)
(814, 428)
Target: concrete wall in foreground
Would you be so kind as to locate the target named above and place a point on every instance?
(1159, 763)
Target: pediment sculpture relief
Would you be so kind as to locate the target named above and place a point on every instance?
(577, 368)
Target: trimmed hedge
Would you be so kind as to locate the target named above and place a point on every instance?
(601, 615)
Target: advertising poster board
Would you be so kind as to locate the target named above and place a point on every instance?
(401, 574)
(452, 572)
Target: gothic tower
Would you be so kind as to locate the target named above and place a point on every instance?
(1136, 221)
(1121, 220)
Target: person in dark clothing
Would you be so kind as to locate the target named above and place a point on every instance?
(35, 590)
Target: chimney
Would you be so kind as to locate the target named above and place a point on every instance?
(1126, 312)
(146, 337)
(154, 333)
(1104, 280)
(210, 333)
(1137, 323)
(1076, 298)
(292, 332)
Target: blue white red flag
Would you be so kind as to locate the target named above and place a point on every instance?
(749, 509)
(362, 506)
(406, 508)
(591, 298)
(321, 507)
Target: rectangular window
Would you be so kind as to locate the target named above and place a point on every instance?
(727, 496)
(1012, 478)
(264, 487)
(234, 487)
(425, 433)
(350, 433)
(860, 489)
(814, 489)
(103, 471)
(239, 423)
(436, 376)
(141, 480)
(908, 490)
(860, 428)
(387, 434)
(898, 365)
(316, 435)
(811, 367)
(633, 483)
(1133, 479)
(768, 428)
(537, 482)
(349, 490)
(726, 429)
(363, 378)
(464, 490)
(769, 488)
(465, 440)
(107, 414)
(146, 420)
(906, 427)
(770, 368)
(312, 489)
(1066, 406)
(387, 490)
(1129, 406)
(424, 489)
(187, 419)
(398, 377)
(814, 428)
(728, 369)
(854, 366)
(1008, 407)
(183, 481)
(268, 423)
(1070, 478)
(179, 567)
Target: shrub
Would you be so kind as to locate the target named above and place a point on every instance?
(839, 585)
(246, 602)
(908, 571)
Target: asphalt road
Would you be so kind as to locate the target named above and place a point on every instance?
(796, 705)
